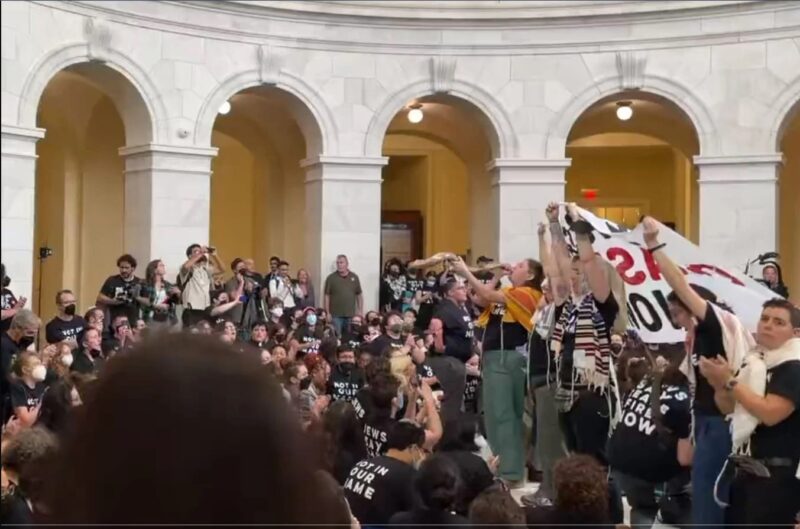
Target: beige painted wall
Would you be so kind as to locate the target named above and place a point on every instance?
(428, 176)
(79, 195)
(625, 176)
(232, 177)
(789, 206)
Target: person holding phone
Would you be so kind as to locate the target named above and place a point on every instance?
(195, 279)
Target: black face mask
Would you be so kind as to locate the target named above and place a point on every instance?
(305, 383)
(69, 310)
(616, 348)
(346, 367)
(280, 338)
(26, 342)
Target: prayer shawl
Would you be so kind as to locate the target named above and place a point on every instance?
(591, 336)
(754, 375)
(520, 305)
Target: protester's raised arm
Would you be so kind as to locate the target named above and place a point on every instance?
(672, 274)
(561, 266)
(593, 267)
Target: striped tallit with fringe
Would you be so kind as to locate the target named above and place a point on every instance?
(584, 321)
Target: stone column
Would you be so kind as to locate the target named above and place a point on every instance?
(167, 202)
(738, 206)
(343, 216)
(18, 179)
(521, 190)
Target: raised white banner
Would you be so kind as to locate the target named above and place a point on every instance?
(647, 290)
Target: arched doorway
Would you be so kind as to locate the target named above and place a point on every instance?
(257, 184)
(89, 111)
(623, 169)
(789, 202)
(436, 191)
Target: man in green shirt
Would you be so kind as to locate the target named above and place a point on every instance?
(343, 296)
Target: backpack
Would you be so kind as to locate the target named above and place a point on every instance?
(181, 284)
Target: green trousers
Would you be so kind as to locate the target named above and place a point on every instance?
(503, 389)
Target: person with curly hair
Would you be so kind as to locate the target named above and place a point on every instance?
(581, 496)
(24, 459)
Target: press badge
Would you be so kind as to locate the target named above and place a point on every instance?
(579, 359)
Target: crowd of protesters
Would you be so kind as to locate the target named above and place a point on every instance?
(234, 396)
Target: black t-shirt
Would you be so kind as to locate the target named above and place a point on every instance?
(514, 334)
(380, 343)
(379, 488)
(783, 439)
(421, 518)
(376, 425)
(471, 390)
(115, 287)
(540, 356)
(458, 330)
(352, 338)
(637, 447)
(424, 371)
(58, 330)
(475, 477)
(608, 310)
(362, 404)
(82, 363)
(8, 351)
(391, 292)
(344, 385)
(7, 301)
(23, 396)
(708, 344)
(304, 335)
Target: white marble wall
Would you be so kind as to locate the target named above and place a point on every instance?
(734, 70)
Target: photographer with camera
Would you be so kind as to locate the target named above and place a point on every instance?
(195, 279)
(120, 293)
(66, 327)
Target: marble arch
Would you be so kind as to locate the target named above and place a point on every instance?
(137, 101)
(556, 139)
(781, 113)
(315, 120)
(501, 136)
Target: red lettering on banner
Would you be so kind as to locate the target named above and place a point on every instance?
(652, 266)
(705, 269)
(625, 266)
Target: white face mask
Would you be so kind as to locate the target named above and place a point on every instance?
(39, 373)
(67, 359)
(277, 312)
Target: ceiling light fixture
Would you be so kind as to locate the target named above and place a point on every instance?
(624, 110)
(225, 107)
(415, 113)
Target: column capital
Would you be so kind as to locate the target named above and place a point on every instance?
(345, 161)
(20, 142)
(362, 169)
(524, 171)
(155, 148)
(739, 159)
(738, 169)
(174, 159)
(528, 163)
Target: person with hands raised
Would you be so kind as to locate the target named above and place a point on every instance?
(507, 322)
(699, 313)
(195, 278)
(586, 310)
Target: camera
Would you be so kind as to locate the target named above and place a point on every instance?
(211, 249)
(45, 252)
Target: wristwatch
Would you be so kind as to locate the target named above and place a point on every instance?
(731, 383)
